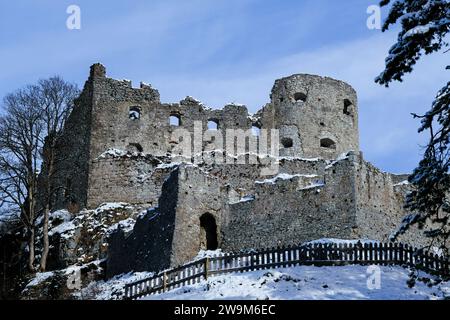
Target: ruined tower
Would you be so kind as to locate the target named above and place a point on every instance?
(316, 116)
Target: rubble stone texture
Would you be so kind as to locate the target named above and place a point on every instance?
(118, 145)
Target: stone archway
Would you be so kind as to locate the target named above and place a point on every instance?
(208, 232)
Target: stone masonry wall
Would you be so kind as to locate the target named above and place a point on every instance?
(152, 131)
(149, 246)
(73, 157)
(169, 235)
(132, 178)
(380, 205)
(290, 211)
(198, 194)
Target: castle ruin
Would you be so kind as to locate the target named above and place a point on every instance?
(119, 146)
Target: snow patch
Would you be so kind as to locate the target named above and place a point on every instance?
(402, 183)
(108, 206)
(284, 176)
(126, 226)
(168, 165)
(63, 229)
(112, 152)
(342, 156)
(39, 277)
(244, 199)
(341, 241)
(208, 254)
(235, 104)
(419, 30)
(313, 186)
(299, 158)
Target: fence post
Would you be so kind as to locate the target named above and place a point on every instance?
(206, 267)
(164, 281)
(401, 254)
(250, 256)
(126, 292)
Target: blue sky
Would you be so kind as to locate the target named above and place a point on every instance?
(226, 51)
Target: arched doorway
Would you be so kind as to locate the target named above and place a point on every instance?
(208, 232)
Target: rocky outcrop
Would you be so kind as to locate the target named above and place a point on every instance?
(78, 249)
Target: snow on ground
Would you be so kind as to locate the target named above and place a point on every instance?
(113, 289)
(126, 225)
(308, 283)
(107, 206)
(40, 277)
(63, 229)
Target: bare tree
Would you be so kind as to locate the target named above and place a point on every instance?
(56, 100)
(29, 130)
(20, 131)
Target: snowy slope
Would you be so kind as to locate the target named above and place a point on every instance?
(309, 282)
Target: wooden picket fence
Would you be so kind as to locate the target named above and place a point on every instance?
(318, 254)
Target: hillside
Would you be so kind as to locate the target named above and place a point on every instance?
(309, 283)
(77, 238)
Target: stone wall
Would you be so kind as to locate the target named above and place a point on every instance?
(198, 194)
(380, 204)
(169, 235)
(149, 128)
(294, 210)
(73, 156)
(308, 199)
(149, 246)
(132, 178)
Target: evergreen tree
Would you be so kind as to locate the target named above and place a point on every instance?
(424, 27)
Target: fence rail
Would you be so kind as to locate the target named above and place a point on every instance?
(318, 254)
